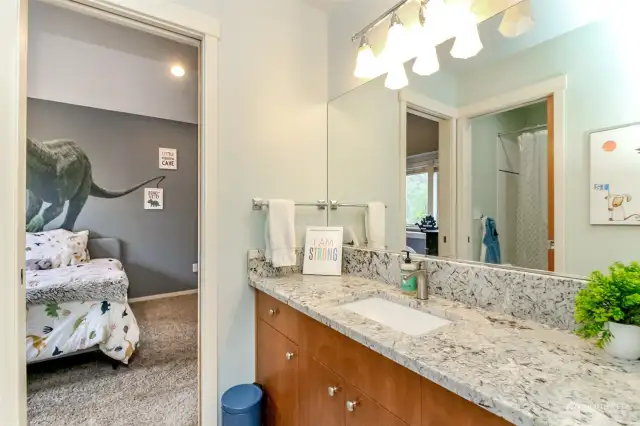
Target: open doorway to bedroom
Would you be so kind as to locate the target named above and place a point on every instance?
(112, 222)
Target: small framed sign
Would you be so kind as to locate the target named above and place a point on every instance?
(153, 198)
(168, 158)
(323, 251)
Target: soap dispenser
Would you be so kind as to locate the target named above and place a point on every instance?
(407, 267)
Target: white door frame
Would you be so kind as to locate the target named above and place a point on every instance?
(13, 93)
(557, 87)
(447, 117)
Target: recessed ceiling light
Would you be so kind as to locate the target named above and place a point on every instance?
(177, 70)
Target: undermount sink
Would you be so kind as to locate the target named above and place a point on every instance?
(401, 318)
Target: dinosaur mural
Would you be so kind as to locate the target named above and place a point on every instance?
(58, 172)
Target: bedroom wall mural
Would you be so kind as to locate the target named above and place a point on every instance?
(88, 169)
(59, 172)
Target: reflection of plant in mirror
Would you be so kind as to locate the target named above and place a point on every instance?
(417, 196)
(427, 223)
(609, 298)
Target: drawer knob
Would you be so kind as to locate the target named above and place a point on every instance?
(333, 390)
(273, 312)
(290, 355)
(351, 405)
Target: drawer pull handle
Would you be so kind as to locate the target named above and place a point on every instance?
(273, 312)
(289, 355)
(351, 405)
(333, 390)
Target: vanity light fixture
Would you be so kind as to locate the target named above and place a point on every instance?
(426, 62)
(396, 77)
(517, 20)
(467, 42)
(177, 70)
(366, 62)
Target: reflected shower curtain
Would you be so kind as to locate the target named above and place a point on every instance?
(531, 211)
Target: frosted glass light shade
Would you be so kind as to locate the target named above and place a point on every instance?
(467, 42)
(437, 18)
(395, 48)
(517, 20)
(366, 63)
(426, 62)
(396, 77)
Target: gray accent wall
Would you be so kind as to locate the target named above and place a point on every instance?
(159, 247)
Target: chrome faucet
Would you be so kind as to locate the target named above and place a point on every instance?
(422, 284)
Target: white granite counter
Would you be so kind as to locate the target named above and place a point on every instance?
(525, 372)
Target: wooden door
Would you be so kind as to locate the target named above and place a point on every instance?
(277, 372)
(362, 411)
(321, 394)
(550, 185)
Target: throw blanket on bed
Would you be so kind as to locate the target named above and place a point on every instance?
(57, 329)
(98, 279)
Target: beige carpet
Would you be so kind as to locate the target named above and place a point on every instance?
(158, 388)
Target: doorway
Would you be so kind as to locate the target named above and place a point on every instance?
(173, 22)
(422, 183)
(527, 123)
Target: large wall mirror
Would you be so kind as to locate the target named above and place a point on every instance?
(526, 155)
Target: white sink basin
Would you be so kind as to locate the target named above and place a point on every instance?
(401, 318)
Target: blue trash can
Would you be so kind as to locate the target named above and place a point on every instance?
(241, 406)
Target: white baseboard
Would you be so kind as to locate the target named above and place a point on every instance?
(163, 296)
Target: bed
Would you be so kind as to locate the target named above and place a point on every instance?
(77, 308)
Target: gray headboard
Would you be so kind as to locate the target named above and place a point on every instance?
(104, 247)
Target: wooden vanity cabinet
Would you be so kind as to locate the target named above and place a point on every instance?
(315, 376)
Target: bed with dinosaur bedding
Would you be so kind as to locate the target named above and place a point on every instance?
(76, 291)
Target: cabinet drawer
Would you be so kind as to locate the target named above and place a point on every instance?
(362, 411)
(443, 408)
(278, 315)
(322, 343)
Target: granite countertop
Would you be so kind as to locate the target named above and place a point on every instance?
(525, 372)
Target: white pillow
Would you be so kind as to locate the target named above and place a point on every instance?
(61, 247)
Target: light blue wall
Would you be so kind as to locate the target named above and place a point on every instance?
(603, 72)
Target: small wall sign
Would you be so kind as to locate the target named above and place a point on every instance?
(153, 198)
(168, 158)
(323, 251)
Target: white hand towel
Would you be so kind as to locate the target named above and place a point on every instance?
(280, 234)
(374, 220)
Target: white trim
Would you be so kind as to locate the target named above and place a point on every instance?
(13, 95)
(168, 16)
(515, 98)
(431, 106)
(208, 259)
(163, 296)
(557, 87)
(447, 118)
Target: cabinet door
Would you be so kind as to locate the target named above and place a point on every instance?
(362, 411)
(321, 394)
(441, 407)
(277, 372)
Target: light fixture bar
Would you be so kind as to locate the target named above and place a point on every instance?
(381, 18)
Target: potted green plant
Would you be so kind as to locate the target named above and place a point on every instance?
(608, 309)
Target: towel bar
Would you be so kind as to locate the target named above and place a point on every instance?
(334, 204)
(259, 204)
